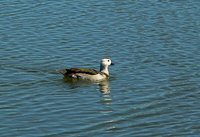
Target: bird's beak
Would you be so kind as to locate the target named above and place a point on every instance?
(112, 64)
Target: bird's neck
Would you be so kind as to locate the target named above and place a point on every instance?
(104, 69)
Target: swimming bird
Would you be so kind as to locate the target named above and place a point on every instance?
(87, 73)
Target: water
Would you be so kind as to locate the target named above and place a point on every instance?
(154, 85)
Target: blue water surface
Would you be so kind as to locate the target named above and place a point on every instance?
(154, 87)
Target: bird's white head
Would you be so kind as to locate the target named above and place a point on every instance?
(104, 65)
(106, 62)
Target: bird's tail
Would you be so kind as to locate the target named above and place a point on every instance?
(62, 71)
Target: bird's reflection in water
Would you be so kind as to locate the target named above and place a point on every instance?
(104, 87)
(74, 83)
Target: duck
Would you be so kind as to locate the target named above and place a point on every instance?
(88, 73)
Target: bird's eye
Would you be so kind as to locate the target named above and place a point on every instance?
(108, 60)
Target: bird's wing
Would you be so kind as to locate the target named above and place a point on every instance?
(83, 70)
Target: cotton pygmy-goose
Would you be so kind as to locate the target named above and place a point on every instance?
(89, 74)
